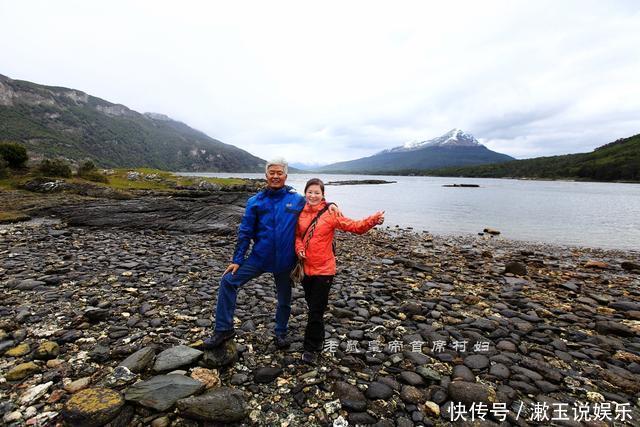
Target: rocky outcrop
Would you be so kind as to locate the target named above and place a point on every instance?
(186, 212)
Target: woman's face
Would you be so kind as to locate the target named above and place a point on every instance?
(314, 195)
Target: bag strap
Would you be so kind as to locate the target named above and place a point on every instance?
(312, 225)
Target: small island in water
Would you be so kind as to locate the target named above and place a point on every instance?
(360, 182)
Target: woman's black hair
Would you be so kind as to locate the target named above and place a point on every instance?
(314, 181)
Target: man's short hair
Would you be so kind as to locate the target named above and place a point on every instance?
(279, 161)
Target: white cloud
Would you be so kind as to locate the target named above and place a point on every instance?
(331, 81)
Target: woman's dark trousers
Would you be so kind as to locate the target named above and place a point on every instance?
(316, 292)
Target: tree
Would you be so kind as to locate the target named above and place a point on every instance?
(14, 154)
(55, 167)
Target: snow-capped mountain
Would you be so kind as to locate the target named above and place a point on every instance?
(454, 148)
(453, 138)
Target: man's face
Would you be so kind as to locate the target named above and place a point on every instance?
(276, 177)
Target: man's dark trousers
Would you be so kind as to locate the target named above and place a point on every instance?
(228, 293)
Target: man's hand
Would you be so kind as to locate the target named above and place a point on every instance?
(231, 268)
(335, 210)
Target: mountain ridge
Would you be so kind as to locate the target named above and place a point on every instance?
(454, 148)
(58, 121)
(616, 161)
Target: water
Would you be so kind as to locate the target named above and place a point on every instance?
(602, 215)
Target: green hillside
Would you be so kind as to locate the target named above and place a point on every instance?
(617, 161)
(54, 121)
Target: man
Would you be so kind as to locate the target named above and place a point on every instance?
(270, 222)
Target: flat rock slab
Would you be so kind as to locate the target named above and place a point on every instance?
(163, 391)
(224, 404)
(175, 357)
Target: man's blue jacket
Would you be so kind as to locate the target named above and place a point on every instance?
(270, 222)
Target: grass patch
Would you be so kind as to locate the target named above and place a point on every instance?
(150, 179)
(155, 179)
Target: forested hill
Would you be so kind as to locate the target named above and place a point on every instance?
(616, 161)
(56, 121)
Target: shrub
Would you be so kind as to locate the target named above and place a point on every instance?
(86, 167)
(95, 176)
(4, 168)
(14, 154)
(87, 170)
(55, 167)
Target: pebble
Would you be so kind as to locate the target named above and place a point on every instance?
(266, 374)
(378, 390)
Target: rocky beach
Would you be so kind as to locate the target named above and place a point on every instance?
(105, 303)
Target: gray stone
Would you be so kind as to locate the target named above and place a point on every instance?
(224, 405)
(162, 391)
(361, 418)
(625, 305)
(500, 371)
(416, 357)
(175, 357)
(139, 360)
(350, 397)
(630, 266)
(477, 361)
(266, 374)
(464, 373)
(517, 268)
(468, 393)
(378, 390)
(94, 314)
(507, 346)
(411, 378)
(428, 373)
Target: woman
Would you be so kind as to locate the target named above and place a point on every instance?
(314, 245)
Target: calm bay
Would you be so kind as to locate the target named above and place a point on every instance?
(600, 215)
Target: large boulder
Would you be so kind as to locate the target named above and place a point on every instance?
(224, 405)
(163, 391)
(92, 407)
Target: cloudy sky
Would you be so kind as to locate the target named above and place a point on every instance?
(320, 82)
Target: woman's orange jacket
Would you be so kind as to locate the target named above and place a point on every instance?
(320, 260)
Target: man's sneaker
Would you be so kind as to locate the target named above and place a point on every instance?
(281, 343)
(217, 339)
(309, 358)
